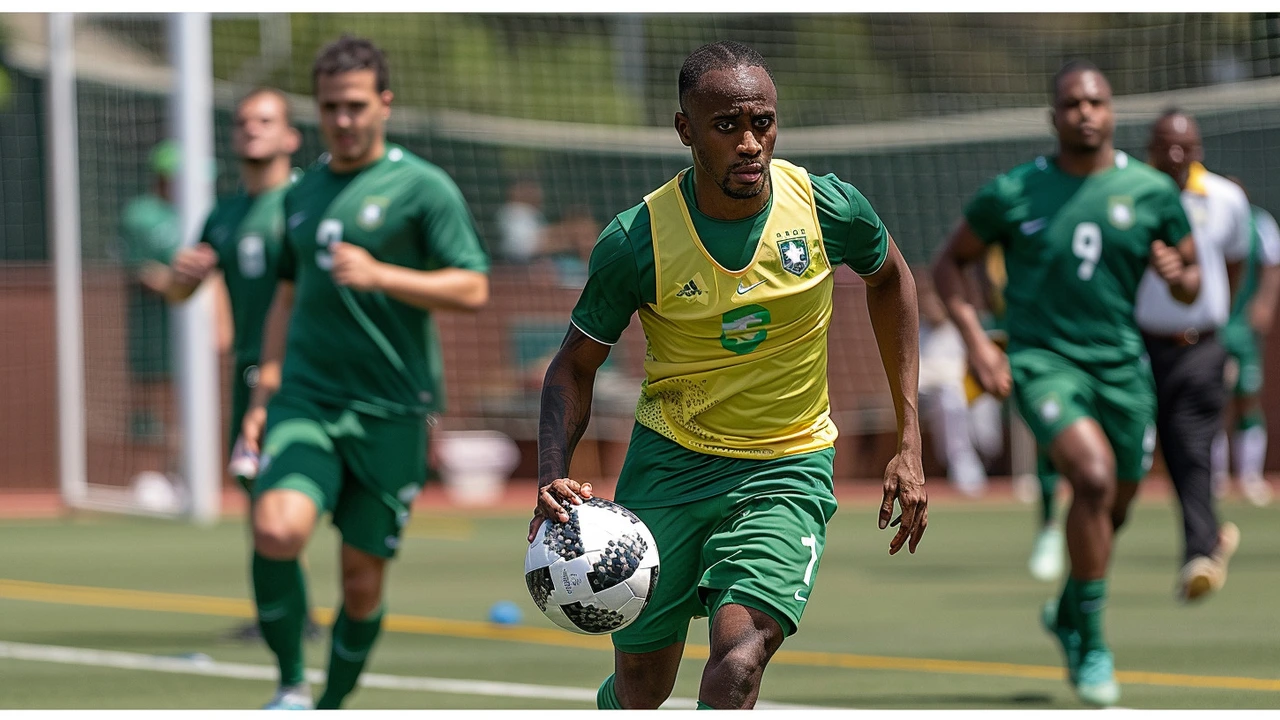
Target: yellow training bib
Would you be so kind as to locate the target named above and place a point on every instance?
(737, 361)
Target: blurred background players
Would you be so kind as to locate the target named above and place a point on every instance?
(376, 240)
(1078, 229)
(239, 249)
(1187, 358)
(967, 432)
(521, 226)
(1255, 281)
(149, 236)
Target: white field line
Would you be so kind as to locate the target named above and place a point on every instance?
(208, 667)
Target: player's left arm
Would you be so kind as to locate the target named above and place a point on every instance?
(1178, 267)
(891, 303)
(443, 289)
(451, 244)
(1174, 261)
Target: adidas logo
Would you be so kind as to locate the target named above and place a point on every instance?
(690, 290)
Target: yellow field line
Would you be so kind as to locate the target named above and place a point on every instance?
(415, 624)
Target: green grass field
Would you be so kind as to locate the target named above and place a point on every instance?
(954, 626)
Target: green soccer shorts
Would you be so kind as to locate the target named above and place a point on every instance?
(1053, 392)
(1245, 351)
(759, 549)
(364, 469)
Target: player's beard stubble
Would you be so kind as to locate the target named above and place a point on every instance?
(725, 180)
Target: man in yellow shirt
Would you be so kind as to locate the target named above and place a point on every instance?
(730, 266)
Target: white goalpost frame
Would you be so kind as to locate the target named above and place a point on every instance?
(191, 111)
(64, 223)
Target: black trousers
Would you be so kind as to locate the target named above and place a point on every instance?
(1190, 396)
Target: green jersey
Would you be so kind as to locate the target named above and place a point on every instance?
(1264, 251)
(621, 278)
(366, 350)
(1075, 249)
(247, 231)
(150, 232)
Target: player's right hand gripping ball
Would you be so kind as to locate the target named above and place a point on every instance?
(595, 573)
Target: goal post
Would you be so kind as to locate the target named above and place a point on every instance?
(195, 494)
(191, 112)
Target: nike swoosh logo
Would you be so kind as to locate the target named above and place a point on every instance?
(297, 219)
(747, 289)
(801, 599)
(272, 614)
(1089, 606)
(1031, 227)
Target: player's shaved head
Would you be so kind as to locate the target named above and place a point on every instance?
(1069, 69)
(722, 55)
(348, 54)
(1175, 144)
(1176, 121)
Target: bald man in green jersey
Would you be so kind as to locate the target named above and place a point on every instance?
(1078, 229)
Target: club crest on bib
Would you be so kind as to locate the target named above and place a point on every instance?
(1120, 211)
(372, 212)
(793, 249)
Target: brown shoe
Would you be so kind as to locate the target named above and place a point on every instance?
(1203, 575)
(1228, 543)
(1197, 578)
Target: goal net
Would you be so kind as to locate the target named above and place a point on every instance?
(551, 125)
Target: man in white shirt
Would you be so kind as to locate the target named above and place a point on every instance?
(1187, 357)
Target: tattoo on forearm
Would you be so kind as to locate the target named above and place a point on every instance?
(565, 413)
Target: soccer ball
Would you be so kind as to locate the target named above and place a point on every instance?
(595, 573)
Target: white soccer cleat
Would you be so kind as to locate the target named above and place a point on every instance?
(1046, 563)
(293, 697)
(1255, 489)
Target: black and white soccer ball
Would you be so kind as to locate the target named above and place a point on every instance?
(595, 573)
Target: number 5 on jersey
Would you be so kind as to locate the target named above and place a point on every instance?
(328, 233)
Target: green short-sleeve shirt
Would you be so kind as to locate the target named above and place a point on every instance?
(1075, 249)
(367, 350)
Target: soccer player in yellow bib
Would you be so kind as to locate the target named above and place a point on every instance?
(730, 266)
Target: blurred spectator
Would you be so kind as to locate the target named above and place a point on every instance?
(150, 234)
(965, 436)
(520, 224)
(569, 243)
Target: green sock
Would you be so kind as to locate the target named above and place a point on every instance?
(1090, 601)
(606, 698)
(704, 706)
(1048, 478)
(1067, 605)
(1251, 419)
(1048, 497)
(280, 592)
(352, 641)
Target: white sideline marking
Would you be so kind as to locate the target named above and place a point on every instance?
(206, 666)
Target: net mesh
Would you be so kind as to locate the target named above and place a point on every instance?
(553, 124)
